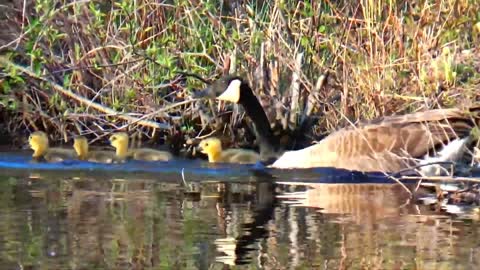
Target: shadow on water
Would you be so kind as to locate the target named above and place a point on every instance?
(141, 216)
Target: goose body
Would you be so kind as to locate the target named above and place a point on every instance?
(147, 154)
(386, 144)
(38, 142)
(213, 148)
(120, 142)
(80, 145)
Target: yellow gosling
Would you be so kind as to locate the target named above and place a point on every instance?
(80, 145)
(213, 148)
(38, 142)
(120, 142)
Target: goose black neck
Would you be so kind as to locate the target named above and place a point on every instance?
(266, 140)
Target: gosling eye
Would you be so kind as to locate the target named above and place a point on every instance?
(206, 144)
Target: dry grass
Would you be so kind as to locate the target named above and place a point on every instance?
(382, 57)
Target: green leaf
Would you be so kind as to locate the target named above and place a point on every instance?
(37, 67)
(6, 88)
(67, 80)
(322, 29)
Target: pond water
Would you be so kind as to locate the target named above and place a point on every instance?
(78, 215)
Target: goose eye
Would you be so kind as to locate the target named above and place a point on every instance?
(206, 144)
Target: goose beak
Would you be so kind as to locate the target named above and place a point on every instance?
(205, 93)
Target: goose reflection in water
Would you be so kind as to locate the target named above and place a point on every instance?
(363, 204)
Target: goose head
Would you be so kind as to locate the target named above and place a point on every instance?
(229, 88)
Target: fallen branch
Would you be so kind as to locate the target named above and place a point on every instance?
(442, 178)
(6, 62)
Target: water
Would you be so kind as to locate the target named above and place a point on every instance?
(139, 215)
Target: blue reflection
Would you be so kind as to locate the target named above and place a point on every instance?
(197, 168)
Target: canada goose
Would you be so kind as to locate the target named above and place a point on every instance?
(213, 148)
(38, 141)
(80, 144)
(386, 144)
(120, 142)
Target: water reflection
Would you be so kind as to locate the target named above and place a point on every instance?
(363, 203)
(95, 221)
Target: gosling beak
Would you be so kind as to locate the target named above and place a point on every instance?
(26, 146)
(199, 149)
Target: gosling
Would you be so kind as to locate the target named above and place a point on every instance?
(213, 148)
(80, 144)
(38, 142)
(120, 142)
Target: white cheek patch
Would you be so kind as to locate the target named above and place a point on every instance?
(232, 93)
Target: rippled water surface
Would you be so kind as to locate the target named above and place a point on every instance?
(145, 216)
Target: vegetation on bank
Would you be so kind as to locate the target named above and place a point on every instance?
(93, 67)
